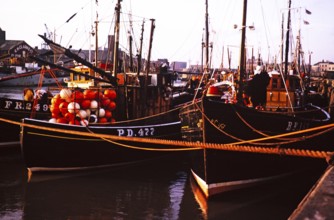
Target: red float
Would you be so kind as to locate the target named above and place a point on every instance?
(54, 109)
(77, 96)
(103, 120)
(63, 108)
(105, 102)
(69, 116)
(108, 114)
(85, 104)
(110, 93)
(56, 100)
(62, 120)
(112, 105)
(89, 94)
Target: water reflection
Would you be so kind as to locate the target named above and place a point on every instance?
(12, 187)
(118, 194)
(161, 190)
(270, 201)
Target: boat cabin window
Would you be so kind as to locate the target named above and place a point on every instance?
(274, 83)
(294, 83)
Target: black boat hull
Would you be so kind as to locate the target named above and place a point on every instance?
(12, 111)
(44, 149)
(218, 171)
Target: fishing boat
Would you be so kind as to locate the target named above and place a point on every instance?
(31, 78)
(102, 125)
(13, 110)
(248, 145)
(83, 131)
(62, 147)
(35, 101)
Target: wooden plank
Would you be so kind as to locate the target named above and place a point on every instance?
(319, 202)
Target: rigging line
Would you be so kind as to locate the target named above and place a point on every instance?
(292, 139)
(107, 42)
(155, 115)
(131, 27)
(125, 32)
(150, 149)
(142, 148)
(265, 27)
(286, 89)
(254, 141)
(108, 136)
(137, 16)
(251, 127)
(229, 147)
(242, 140)
(73, 15)
(222, 131)
(186, 39)
(329, 127)
(87, 39)
(118, 143)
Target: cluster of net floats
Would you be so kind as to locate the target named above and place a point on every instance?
(83, 107)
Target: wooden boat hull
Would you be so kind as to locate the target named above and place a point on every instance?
(47, 150)
(218, 171)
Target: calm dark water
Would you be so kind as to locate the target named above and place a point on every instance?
(160, 190)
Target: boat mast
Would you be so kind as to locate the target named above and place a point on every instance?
(148, 64)
(116, 43)
(140, 49)
(96, 40)
(282, 45)
(229, 58)
(206, 67)
(242, 53)
(130, 48)
(222, 63)
(149, 52)
(287, 41)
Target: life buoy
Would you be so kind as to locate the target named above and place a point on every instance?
(92, 119)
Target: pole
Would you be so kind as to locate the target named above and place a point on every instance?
(287, 42)
(206, 37)
(148, 64)
(140, 49)
(116, 44)
(242, 54)
(130, 48)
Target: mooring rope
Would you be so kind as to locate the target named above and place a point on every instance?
(185, 145)
(268, 137)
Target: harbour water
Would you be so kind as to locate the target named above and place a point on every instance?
(160, 189)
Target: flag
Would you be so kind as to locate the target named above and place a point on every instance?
(306, 22)
(308, 12)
